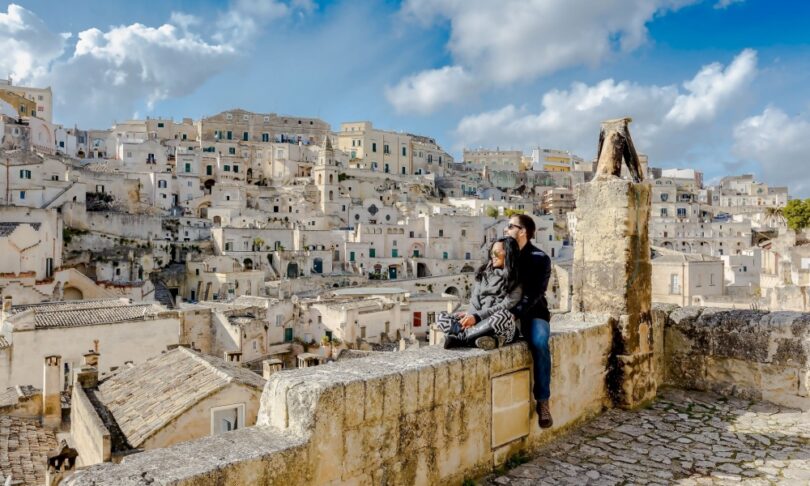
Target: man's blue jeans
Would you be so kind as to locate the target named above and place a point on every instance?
(536, 332)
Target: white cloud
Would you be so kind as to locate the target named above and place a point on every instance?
(502, 42)
(569, 119)
(109, 73)
(421, 92)
(721, 4)
(27, 45)
(712, 88)
(780, 145)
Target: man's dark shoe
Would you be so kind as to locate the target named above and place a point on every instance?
(486, 343)
(452, 341)
(544, 414)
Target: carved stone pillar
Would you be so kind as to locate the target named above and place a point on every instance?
(612, 274)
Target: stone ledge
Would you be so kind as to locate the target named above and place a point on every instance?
(420, 416)
(750, 354)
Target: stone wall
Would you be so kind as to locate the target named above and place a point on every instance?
(91, 438)
(751, 354)
(426, 416)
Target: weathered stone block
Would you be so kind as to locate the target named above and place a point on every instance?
(355, 403)
(410, 391)
(426, 384)
(375, 396)
(392, 401)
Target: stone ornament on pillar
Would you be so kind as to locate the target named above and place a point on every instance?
(612, 268)
(615, 144)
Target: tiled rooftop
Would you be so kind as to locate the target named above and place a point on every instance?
(24, 448)
(145, 398)
(87, 313)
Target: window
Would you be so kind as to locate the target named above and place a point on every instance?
(25, 174)
(265, 137)
(467, 256)
(232, 150)
(160, 125)
(441, 232)
(374, 146)
(226, 168)
(351, 256)
(664, 196)
(417, 319)
(372, 252)
(403, 171)
(225, 419)
(394, 253)
(711, 275)
(386, 168)
(681, 212)
(444, 255)
(674, 284)
(663, 212)
(236, 168)
(209, 170)
(245, 136)
(386, 150)
(230, 135)
(161, 184)
(188, 166)
(22, 194)
(404, 151)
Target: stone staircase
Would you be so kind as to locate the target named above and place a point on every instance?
(163, 294)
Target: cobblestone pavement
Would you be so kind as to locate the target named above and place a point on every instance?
(685, 438)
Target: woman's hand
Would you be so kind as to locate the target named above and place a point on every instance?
(467, 321)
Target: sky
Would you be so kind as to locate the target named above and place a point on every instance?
(722, 86)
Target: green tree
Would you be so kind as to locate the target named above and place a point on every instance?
(511, 212)
(492, 211)
(797, 214)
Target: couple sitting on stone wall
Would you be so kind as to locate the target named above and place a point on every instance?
(508, 302)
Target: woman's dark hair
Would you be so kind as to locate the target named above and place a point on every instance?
(510, 262)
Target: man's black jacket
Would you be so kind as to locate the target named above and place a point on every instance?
(535, 270)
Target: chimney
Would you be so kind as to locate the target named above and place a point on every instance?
(7, 301)
(51, 392)
(271, 366)
(233, 356)
(90, 358)
(87, 376)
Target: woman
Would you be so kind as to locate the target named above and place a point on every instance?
(496, 290)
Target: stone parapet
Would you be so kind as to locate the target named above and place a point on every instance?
(750, 354)
(424, 416)
(612, 274)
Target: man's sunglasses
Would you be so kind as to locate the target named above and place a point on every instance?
(511, 225)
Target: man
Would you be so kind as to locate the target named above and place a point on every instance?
(532, 310)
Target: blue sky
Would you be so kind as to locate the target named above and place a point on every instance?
(718, 85)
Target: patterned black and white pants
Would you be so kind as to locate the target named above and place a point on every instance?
(503, 324)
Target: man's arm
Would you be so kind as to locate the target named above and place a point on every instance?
(534, 290)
